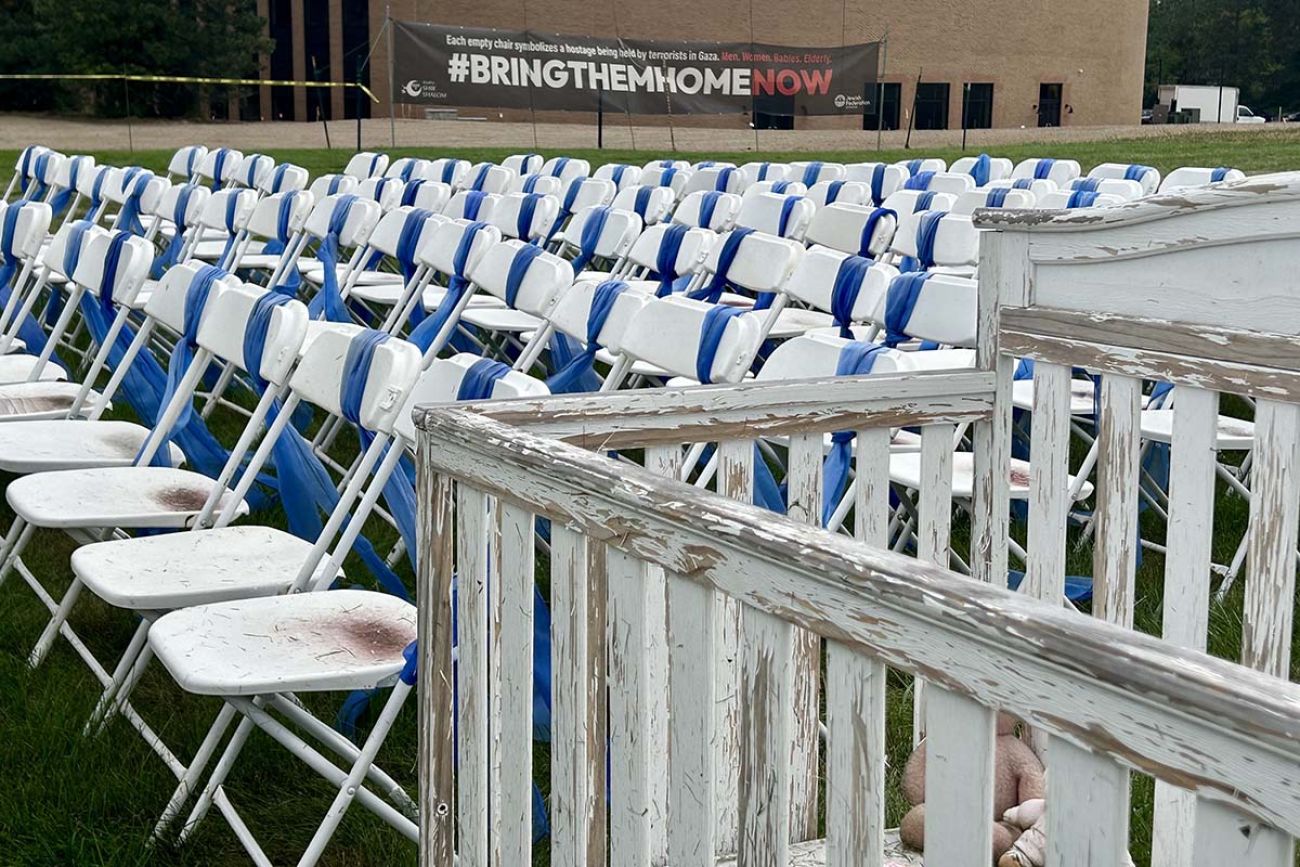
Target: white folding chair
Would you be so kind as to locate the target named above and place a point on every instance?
(1189, 176)
(527, 216)
(219, 167)
(915, 201)
(566, 169)
(333, 185)
(1059, 171)
(449, 171)
(386, 191)
(524, 164)
(922, 164)
(708, 210)
(470, 205)
(486, 178)
(1071, 199)
(882, 179)
(284, 178)
(652, 204)
(782, 216)
(184, 164)
(1125, 189)
(983, 168)
(994, 197)
(810, 173)
(1147, 177)
(622, 176)
(366, 165)
(825, 193)
(858, 229)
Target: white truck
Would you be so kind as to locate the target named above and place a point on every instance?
(1215, 104)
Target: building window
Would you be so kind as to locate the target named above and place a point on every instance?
(280, 29)
(773, 111)
(889, 94)
(356, 45)
(316, 42)
(932, 105)
(1049, 104)
(977, 106)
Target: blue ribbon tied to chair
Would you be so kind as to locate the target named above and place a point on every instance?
(844, 292)
(981, 170)
(666, 258)
(180, 220)
(726, 256)
(578, 374)
(458, 285)
(1043, 169)
(856, 359)
(29, 330)
(291, 279)
(904, 291)
(329, 300)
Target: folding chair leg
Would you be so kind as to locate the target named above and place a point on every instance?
(202, 756)
(218, 778)
(15, 541)
(121, 676)
(55, 624)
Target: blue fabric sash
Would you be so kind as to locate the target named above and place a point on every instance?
(1091, 185)
(708, 203)
(833, 191)
(981, 170)
(780, 187)
(927, 230)
(578, 375)
(218, 167)
(996, 198)
(291, 280)
(232, 210)
(411, 191)
(29, 330)
(172, 254)
(524, 221)
(1219, 174)
(481, 177)
(250, 174)
(919, 181)
(878, 184)
(41, 186)
(1081, 199)
(810, 173)
(329, 300)
(458, 284)
(530, 183)
(558, 168)
(480, 379)
(63, 198)
(374, 164)
(856, 359)
(666, 258)
(724, 179)
(474, 200)
(642, 201)
(899, 304)
(591, 232)
(448, 171)
(923, 202)
(129, 219)
(71, 256)
(711, 331)
(1043, 170)
(616, 175)
(869, 230)
(844, 292)
(666, 176)
(913, 166)
(787, 208)
(1023, 184)
(407, 240)
(762, 171)
(730, 247)
(25, 167)
(519, 265)
(1136, 172)
(277, 178)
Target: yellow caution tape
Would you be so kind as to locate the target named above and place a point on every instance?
(182, 79)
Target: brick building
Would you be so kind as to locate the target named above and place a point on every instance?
(1003, 63)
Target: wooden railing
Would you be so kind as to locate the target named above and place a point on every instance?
(687, 635)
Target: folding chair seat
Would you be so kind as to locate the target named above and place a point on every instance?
(1125, 189)
(720, 179)
(674, 178)
(530, 285)
(524, 164)
(220, 167)
(782, 216)
(708, 210)
(623, 176)
(936, 241)
(858, 229)
(527, 216)
(915, 201)
(333, 185)
(566, 169)
(825, 193)
(1071, 199)
(223, 220)
(184, 164)
(449, 171)
(427, 195)
(781, 188)
(983, 168)
(669, 333)
(407, 169)
(1037, 187)
(470, 205)
(1188, 176)
(1060, 171)
(756, 173)
(882, 179)
(1147, 177)
(387, 192)
(917, 166)
(541, 184)
(811, 173)
(994, 197)
(652, 204)
(366, 165)
(487, 178)
(253, 170)
(284, 178)
(610, 238)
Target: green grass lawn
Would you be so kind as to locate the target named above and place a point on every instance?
(69, 800)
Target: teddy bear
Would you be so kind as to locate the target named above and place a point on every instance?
(1018, 777)
(1030, 848)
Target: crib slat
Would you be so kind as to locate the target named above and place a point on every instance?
(691, 793)
(1271, 545)
(804, 477)
(577, 790)
(767, 739)
(958, 780)
(736, 482)
(472, 675)
(632, 807)
(433, 595)
(515, 734)
(1189, 536)
(1087, 808)
(1224, 836)
(1114, 567)
(1049, 501)
(934, 526)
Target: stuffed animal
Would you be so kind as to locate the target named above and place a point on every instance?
(1018, 777)
(1030, 849)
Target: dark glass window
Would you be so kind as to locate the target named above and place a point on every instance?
(977, 106)
(932, 105)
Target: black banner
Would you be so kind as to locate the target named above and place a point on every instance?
(464, 66)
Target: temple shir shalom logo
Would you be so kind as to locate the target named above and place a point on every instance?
(416, 88)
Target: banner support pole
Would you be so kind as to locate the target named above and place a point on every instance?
(880, 91)
(392, 88)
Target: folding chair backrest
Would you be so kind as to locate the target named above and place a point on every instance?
(825, 193)
(366, 165)
(763, 263)
(439, 252)
(843, 227)
(459, 205)
(814, 283)
(386, 191)
(430, 195)
(813, 356)
(265, 219)
(1061, 171)
(651, 204)
(695, 208)
(583, 192)
(318, 378)
(449, 171)
(999, 168)
(284, 178)
(387, 234)
(195, 199)
(523, 164)
(623, 176)
(544, 278)
(953, 183)
(672, 177)
(98, 176)
(955, 243)
(440, 383)
(408, 169)
(72, 170)
(1124, 189)
(924, 164)
(333, 185)
(168, 300)
(486, 178)
(220, 165)
(994, 197)
(782, 216)
(253, 168)
(361, 220)
(228, 210)
(57, 254)
(915, 201)
(1037, 187)
(185, 162)
(541, 184)
(666, 164)
(527, 216)
(226, 320)
(758, 172)
(123, 182)
(573, 309)
(811, 173)
(30, 228)
(1072, 199)
(721, 179)
(666, 333)
(617, 235)
(944, 309)
(692, 251)
(566, 168)
(1191, 176)
(123, 282)
(780, 188)
(45, 168)
(1147, 177)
